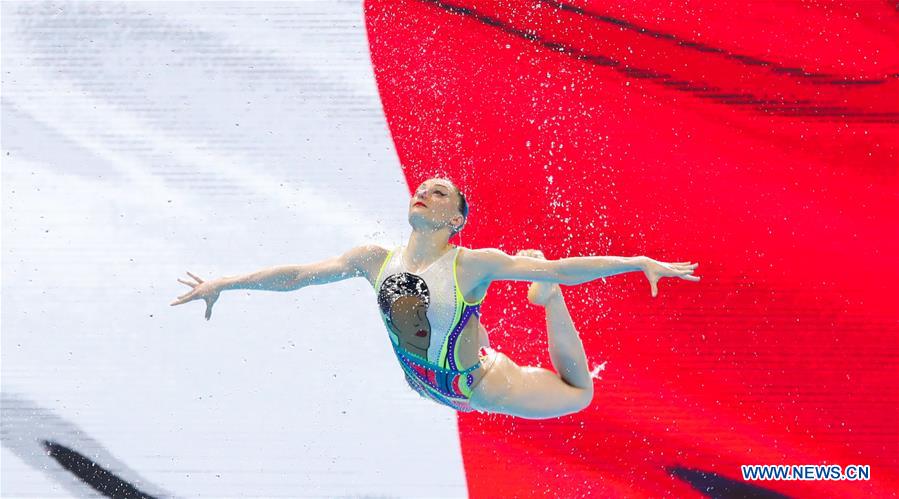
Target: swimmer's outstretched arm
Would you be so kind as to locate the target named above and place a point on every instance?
(494, 265)
(361, 261)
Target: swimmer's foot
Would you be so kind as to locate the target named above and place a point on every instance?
(539, 293)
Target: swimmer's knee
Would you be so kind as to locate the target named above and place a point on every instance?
(586, 398)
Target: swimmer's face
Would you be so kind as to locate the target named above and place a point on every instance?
(409, 319)
(435, 204)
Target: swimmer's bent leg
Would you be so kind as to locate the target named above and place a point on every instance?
(534, 392)
(565, 346)
(527, 392)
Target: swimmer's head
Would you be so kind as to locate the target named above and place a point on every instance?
(438, 203)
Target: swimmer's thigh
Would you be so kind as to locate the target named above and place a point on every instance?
(527, 392)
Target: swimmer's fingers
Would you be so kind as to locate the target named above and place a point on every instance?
(199, 281)
(680, 270)
(656, 270)
(183, 299)
(186, 297)
(193, 285)
(685, 272)
(191, 295)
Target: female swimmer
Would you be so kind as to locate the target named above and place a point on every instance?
(430, 292)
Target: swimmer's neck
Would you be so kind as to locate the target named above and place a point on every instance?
(425, 247)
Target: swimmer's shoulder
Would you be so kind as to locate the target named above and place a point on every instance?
(368, 258)
(479, 254)
(476, 262)
(373, 253)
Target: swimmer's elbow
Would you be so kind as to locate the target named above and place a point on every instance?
(556, 273)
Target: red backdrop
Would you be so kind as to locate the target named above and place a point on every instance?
(759, 140)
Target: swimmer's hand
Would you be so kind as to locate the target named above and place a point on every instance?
(656, 270)
(207, 291)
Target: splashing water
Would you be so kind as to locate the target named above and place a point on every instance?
(594, 373)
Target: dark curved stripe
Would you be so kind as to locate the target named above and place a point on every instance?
(720, 487)
(698, 88)
(467, 311)
(91, 473)
(701, 47)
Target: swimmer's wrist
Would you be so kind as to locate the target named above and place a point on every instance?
(248, 281)
(227, 283)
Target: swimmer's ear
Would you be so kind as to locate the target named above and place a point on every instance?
(458, 222)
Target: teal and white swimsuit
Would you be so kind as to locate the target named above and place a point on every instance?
(434, 291)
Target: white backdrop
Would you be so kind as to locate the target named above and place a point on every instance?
(141, 140)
